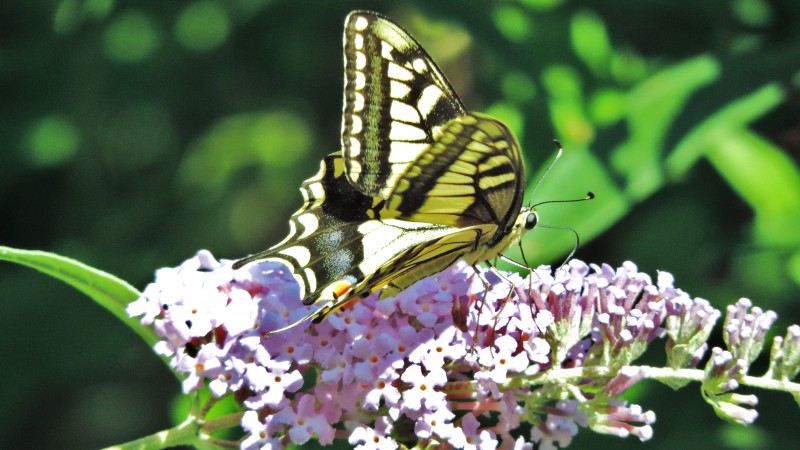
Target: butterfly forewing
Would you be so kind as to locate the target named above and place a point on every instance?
(472, 174)
(395, 102)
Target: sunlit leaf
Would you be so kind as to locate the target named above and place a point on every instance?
(563, 85)
(607, 106)
(793, 267)
(590, 41)
(754, 13)
(766, 178)
(67, 17)
(518, 87)
(262, 139)
(576, 173)
(542, 5)
(737, 114)
(562, 81)
(652, 107)
(628, 67)
(52, 140)
(105, 289)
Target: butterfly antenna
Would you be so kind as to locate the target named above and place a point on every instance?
(549, 167)
(589, 196)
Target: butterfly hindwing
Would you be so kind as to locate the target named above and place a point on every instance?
(395, 101)
(338, 236)
(323, 242)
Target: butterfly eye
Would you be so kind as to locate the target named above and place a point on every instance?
(531, 220)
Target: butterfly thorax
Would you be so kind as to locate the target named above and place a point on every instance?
(526, 220)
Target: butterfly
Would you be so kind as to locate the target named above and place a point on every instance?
(419, 183)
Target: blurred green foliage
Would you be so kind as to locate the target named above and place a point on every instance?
(135, 134)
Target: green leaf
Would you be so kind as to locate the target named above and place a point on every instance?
(767, 179)
(590, 41)
(764, 176)
(272, 139)
(566, 102)
(107, 290)
(736, 115)
(652, 108)
(513, 23)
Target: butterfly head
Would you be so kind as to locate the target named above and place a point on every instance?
(527, 219)
(531, 218)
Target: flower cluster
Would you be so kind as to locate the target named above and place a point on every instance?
(445, 361)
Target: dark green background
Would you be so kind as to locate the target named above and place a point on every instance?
(135, 133)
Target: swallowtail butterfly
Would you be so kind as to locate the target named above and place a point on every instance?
(419, 182)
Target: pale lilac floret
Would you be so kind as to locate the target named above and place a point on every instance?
(423, 387)
(502, 359)
(306, 421)
(383, 389)
(374, 438)
(475, 437)
(436, 424)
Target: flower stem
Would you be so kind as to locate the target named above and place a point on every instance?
(183, 434)
(661, 374)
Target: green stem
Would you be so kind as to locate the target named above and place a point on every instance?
(193, 431)
(223, 423)
(661, 374)
(186, 433)
(772, 385)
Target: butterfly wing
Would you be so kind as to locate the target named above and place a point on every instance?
(470, 179)
(338, 237)
(395, 102)
(428, 256)
(471, 175)
(418, 185)
(406, 136)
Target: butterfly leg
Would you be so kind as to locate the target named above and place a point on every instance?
(508, 297)
(313, 315)
(486, 286)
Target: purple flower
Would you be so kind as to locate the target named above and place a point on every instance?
(474, 436)
(305, 421)
(621, 420)
(423, 388)
(446, 360)
(500, 359)
(377, 438)
(560, 425)
(785, 355)
(745, 329)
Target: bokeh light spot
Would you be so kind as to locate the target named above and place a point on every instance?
(202, 26)
(513, 23)
(52, 141)
(131, 38)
